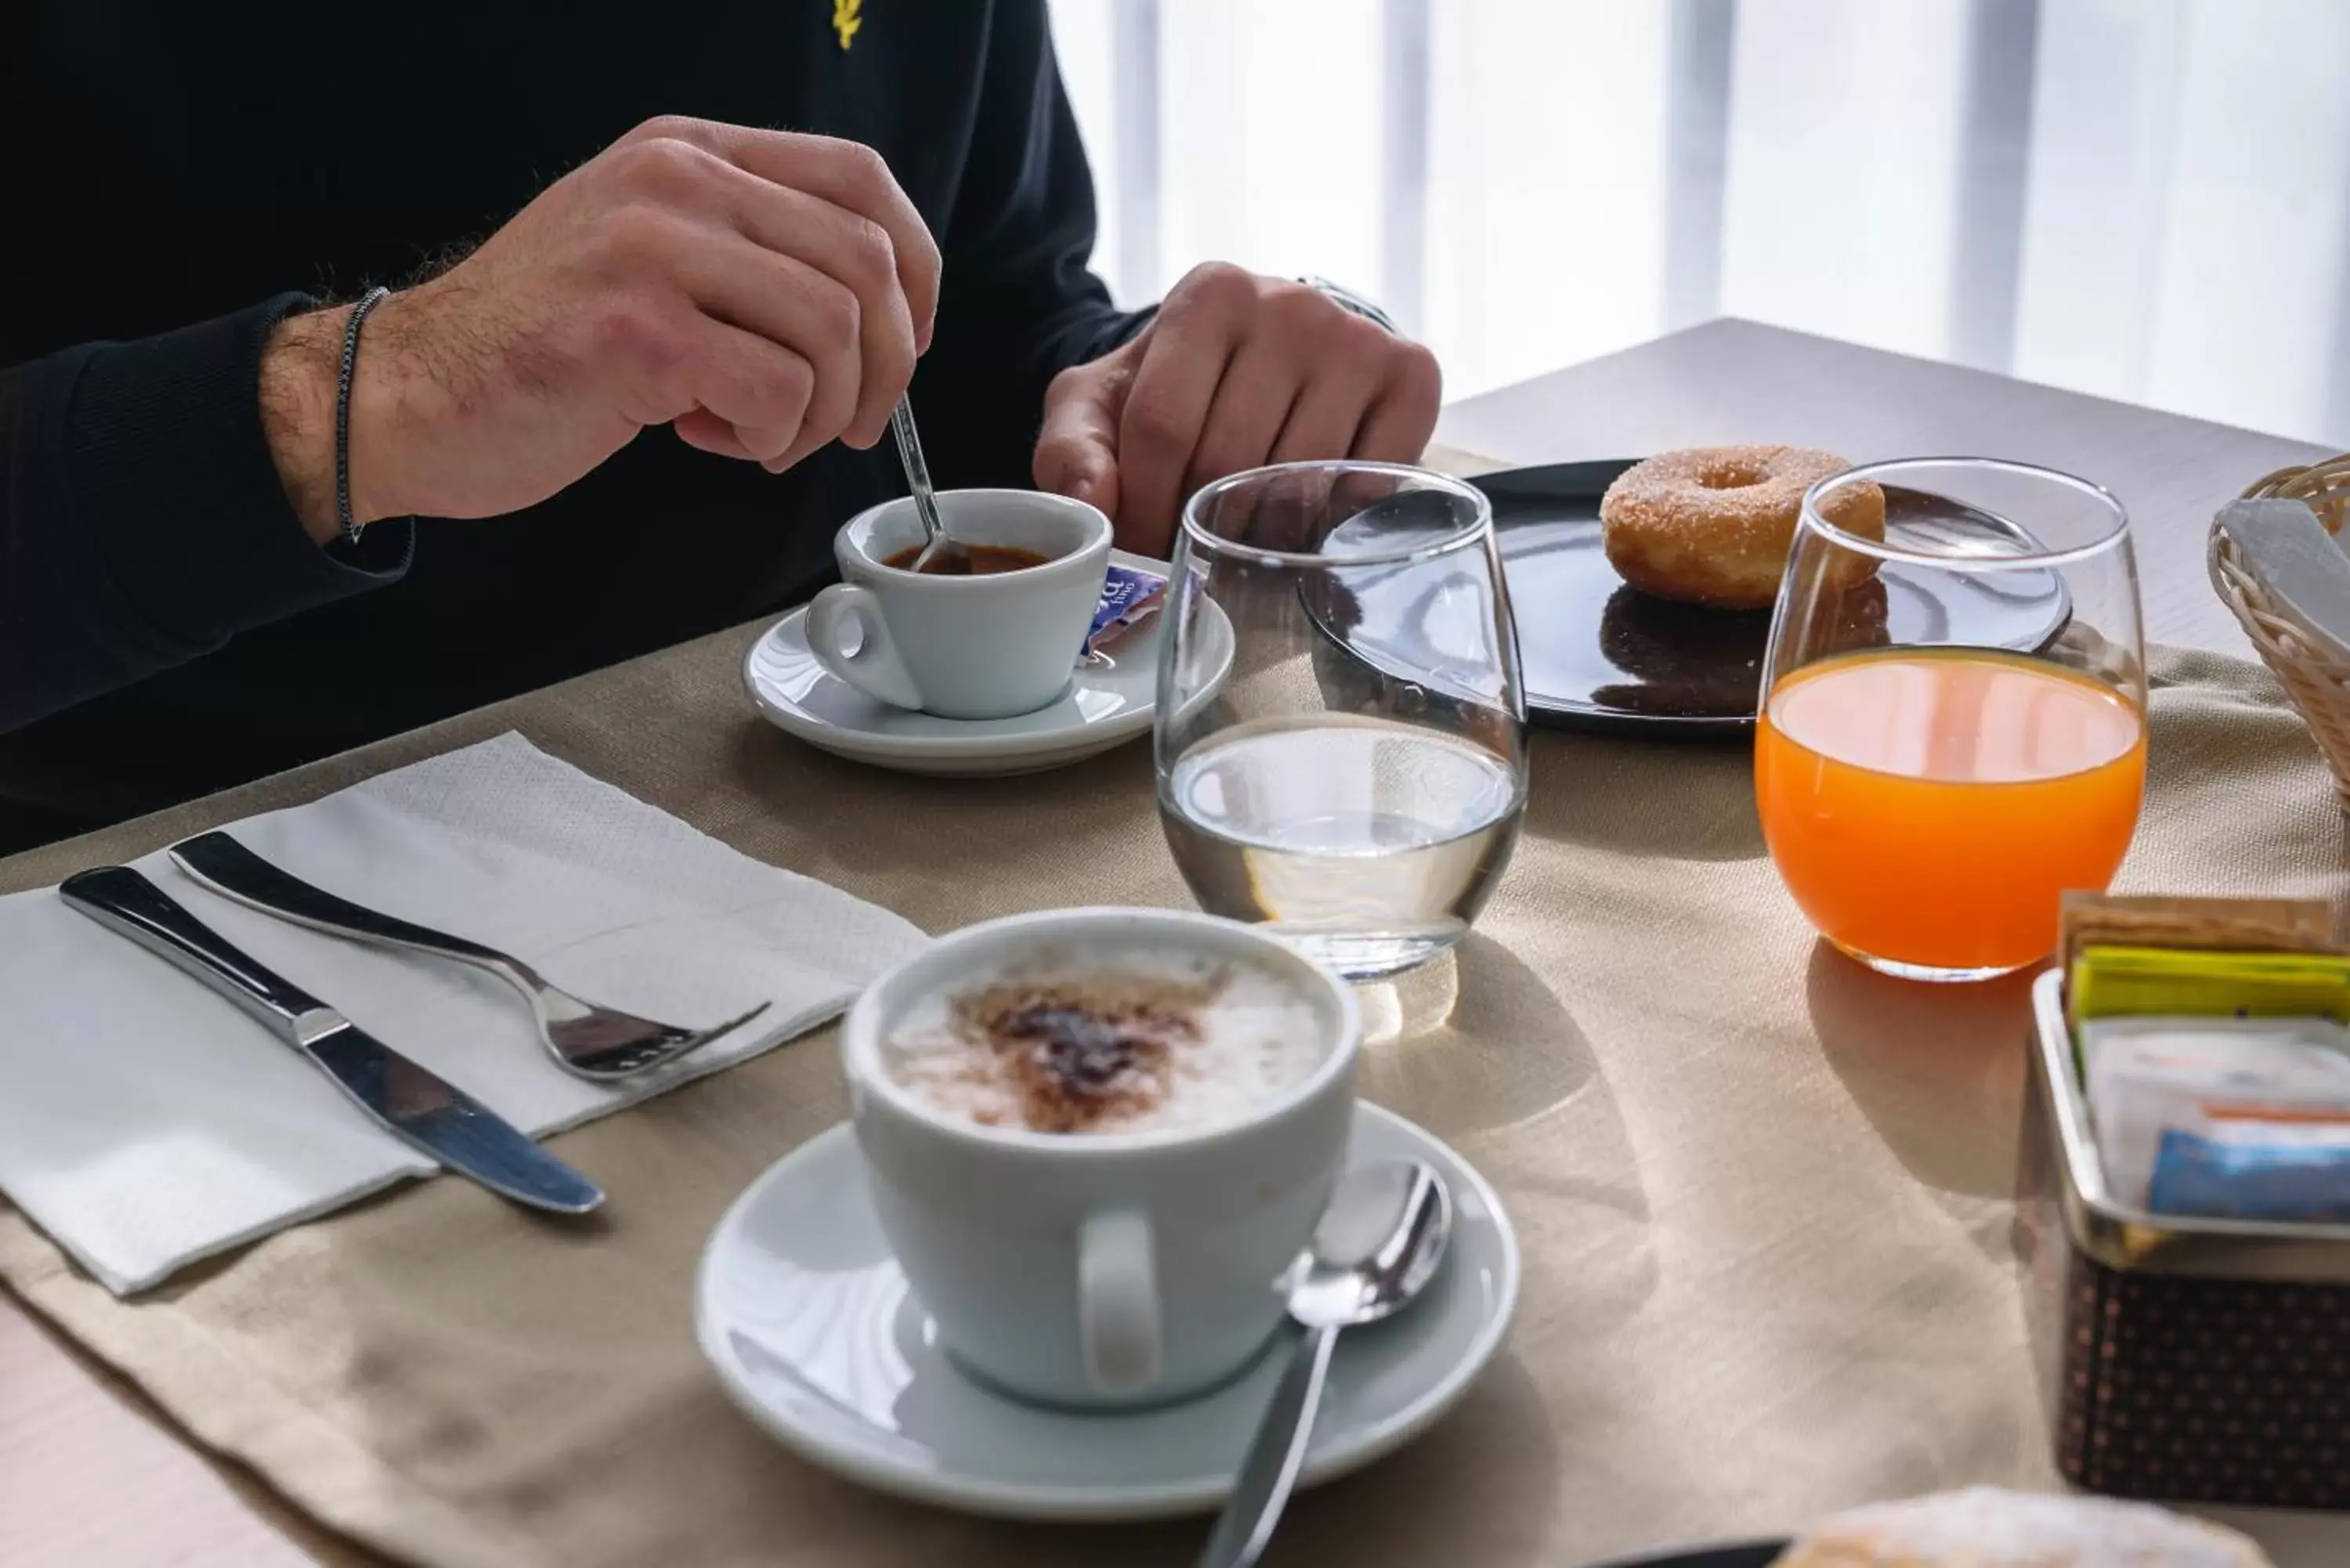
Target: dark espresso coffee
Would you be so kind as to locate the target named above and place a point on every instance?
(973, 561)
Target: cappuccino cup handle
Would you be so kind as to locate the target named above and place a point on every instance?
(875, 668)
(1117, 1302)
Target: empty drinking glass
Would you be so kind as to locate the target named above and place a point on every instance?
(1341, 729)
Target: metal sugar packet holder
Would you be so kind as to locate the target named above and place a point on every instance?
(2182, 1359)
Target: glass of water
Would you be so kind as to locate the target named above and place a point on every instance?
(1341, 724)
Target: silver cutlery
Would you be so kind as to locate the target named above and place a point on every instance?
(414, 1105)
(1376, 1246)
(935, 542)
(590, 1041)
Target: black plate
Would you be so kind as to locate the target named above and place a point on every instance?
(1599, 656)
(1745, 1554)
(1748, 1555)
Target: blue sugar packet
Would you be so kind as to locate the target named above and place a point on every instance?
(2231, 1083)
(1128, 596)
(2294, 1172)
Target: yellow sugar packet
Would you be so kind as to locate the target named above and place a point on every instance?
(2109, 981)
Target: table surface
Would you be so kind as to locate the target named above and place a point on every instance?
(89, 1474)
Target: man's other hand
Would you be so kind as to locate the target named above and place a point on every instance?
(763, 293)
(1235, 371)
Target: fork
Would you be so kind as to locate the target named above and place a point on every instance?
(602, 1044)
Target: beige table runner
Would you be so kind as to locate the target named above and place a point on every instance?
(1764, 1193)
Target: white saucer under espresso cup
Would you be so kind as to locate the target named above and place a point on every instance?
(1100, 1269)
(985, 645)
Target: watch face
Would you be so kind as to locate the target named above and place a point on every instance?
(1347, 298)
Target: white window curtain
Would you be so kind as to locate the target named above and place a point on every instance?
(2143, 199)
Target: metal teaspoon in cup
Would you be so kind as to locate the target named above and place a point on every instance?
(935, 543)
(1376, 1249)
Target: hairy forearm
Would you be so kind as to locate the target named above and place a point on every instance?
(301, 372)
(298, 371)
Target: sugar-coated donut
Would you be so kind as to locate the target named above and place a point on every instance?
(1711, 524)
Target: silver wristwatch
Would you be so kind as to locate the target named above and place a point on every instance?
(1354, 304)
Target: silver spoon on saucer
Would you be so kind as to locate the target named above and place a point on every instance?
(935, 542)
(1376, 1249)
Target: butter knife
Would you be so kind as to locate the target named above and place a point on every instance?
(415, 1106)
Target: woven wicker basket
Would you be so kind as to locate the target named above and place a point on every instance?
(2315, 675)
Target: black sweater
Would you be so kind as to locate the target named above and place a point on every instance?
(180, 176)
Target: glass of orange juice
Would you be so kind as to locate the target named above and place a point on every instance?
(1953, 726)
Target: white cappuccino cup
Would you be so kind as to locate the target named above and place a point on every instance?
(1139, 1259)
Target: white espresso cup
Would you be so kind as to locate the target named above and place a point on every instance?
(1100, 1269)
(978, 646)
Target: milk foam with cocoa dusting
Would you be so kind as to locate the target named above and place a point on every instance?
(1086, 1042)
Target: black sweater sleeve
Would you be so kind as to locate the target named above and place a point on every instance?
(141, 520)
(1017, 303)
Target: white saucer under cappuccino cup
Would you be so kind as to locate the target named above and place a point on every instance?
(987, 646)
(1102, 1268)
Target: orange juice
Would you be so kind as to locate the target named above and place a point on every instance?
(1927, 807)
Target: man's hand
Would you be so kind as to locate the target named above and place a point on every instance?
(1235, 371)
(762, 292)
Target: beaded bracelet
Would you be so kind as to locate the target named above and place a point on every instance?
(367, 302)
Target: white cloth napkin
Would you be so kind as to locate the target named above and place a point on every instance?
(2301, 566)
(146, 1122)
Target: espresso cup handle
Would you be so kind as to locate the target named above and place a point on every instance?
(1117, 1302)
(875, 668)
